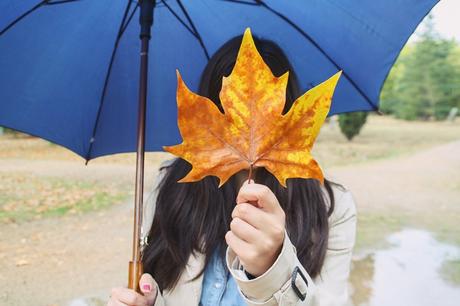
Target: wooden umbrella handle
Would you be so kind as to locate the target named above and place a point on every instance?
(135, 272)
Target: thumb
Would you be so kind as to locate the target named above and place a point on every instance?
(241, 199)
(148, 288)
(258, 195)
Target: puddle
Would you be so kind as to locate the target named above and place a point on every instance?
(406, 274)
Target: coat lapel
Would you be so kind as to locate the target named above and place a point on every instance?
(188, 290)
(193, 268)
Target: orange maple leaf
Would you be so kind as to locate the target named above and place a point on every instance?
(252, 132)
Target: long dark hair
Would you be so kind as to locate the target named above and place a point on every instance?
(194, 217)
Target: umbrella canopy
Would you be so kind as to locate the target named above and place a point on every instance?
(69, 69)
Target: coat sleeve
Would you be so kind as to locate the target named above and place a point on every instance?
(160, 301)
(287, 283)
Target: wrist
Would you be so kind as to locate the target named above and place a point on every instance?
(262, 266)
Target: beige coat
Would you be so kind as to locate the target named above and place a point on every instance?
(276, 286)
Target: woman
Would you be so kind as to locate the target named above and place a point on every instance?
(276, 246)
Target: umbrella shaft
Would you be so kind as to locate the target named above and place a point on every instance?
(136, 268)
(146, 21)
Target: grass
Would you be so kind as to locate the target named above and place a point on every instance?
(26, 148)
(373, 228)
(25, 196)
(382, 137)
(450, 270)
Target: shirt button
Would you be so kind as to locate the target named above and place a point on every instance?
(217, 285)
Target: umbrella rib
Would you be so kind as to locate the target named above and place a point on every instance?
(38, 5)
(178, 18)
(242, 2)
(198, 36)
(9, 26)
(59, 2)
(121, 29)
(309, 38)
(129, 18)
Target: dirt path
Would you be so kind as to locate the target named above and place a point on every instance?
(70, 169)
(428, 180)
(54, 261)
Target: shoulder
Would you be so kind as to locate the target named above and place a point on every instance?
(342, 221)
(344, 203)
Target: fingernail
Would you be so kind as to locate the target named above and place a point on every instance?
(146, 287)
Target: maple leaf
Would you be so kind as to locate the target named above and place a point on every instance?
(252, 132)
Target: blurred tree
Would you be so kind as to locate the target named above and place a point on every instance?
(424, 82)
(416, 86)
(12, 132)
(389, 98)
(351, 123)
(448, 75)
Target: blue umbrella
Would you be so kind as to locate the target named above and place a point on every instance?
(69, 69)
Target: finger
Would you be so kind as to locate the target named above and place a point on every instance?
(250, 214)
(236, 244)
(264, 197)
(244, 230)
(128, 296)
(114, 302)
(148, 288)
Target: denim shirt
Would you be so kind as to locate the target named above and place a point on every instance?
(219, 287)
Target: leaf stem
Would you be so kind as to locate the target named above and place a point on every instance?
(250, 174)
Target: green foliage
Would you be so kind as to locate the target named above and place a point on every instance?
(10, 131)
(425, 81)
(351, 123)
(450, 271)
(389, 98)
